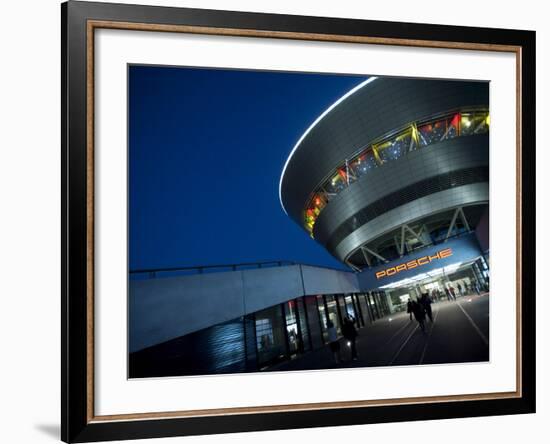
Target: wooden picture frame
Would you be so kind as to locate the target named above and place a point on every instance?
(79, 22)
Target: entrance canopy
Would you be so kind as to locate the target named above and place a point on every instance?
(428, 276)
(422, 264)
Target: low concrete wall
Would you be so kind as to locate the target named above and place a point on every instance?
(165, 308)
(266, 287)
(328, 281)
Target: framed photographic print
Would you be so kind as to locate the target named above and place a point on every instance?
(276, 221)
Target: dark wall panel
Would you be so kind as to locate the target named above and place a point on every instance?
(482, 231)
(314, 322)
(393, 200)
(249, 323)
(215, 350)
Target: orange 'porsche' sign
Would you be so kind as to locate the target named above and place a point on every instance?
(414, 263)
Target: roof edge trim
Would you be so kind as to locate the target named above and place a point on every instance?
(315, 122)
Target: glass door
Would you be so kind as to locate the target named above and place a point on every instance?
(292, 329)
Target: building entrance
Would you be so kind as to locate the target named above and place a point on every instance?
(447, 283)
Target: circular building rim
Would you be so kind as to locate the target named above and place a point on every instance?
(308, 130)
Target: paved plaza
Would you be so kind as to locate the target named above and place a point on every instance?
(459, 333)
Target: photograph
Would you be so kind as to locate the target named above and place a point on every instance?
(283, 221)
(274, 221)
(278, 221)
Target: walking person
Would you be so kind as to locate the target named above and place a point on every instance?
(448, 293)
(410, 309)
(419, 315)
(350, 333)
(460, 289)
(426, 302)
(334, 344)
(453, 293)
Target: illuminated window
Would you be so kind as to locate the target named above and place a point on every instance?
(452, 126)
(395, 147)
(432, 132)
(474, 123)
(363, 163)
(337, 182)
(322, 317)
(416, 136)
(270, 335)
(316, 205)
(350, 308)
(333, 312)
(294, 340)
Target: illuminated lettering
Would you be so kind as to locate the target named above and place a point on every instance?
(414, 263)
(422, 260)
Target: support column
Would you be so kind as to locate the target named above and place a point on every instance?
(389, 302)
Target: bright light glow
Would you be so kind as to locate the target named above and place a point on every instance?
(449, 269)
(390, 319)
(329, 109)
(452, 268)
(349, 343)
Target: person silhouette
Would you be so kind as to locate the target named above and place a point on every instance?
(350, 333)
(419, 315)
(410, 309)
(426, 302)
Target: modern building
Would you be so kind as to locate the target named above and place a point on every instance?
(393, 166)
(393, 180)
(239, 318)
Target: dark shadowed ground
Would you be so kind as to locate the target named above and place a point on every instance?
(459, 333)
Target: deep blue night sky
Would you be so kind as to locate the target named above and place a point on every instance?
(207, 148)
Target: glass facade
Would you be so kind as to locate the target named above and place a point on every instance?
(333, 311)
(294, 340)
(374, 305)
(270, 336)
(350, 306)
(414, 136)
(340, 306)
(285, 330)
(304, 333)
(365, 308)
(322, 317)
(259, 340)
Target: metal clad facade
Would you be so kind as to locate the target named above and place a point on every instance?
(431, 161)
(382, 106)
